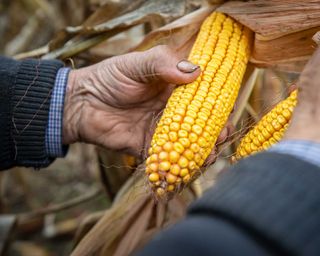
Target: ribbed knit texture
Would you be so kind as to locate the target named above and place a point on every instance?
(275, 198)
(31, 86)
(8, 71)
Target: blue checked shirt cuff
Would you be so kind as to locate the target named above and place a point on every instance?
(54, 145)
(305, 150)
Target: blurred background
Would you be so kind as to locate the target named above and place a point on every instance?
(47, 212)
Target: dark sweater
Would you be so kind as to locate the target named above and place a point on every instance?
(268, 204)
(25, 93)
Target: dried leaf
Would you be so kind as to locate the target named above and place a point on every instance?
(86, 224)
(244, 96)
(275, 18)
(32, 54)
(290, 48)
(177, 208)
(284, 30)
(178, 34)
(107, 230)
(115, 221)
(133, 235)
(161, 209)
(163, 11)
(110, 10)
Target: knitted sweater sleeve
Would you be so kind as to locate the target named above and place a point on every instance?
(25, 94)
(267, 204)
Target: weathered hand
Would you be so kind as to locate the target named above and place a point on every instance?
(115, 103)
(306, 116)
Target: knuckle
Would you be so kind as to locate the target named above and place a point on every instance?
(162, 49)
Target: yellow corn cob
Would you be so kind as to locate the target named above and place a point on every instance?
(196, 113)
(269, 130)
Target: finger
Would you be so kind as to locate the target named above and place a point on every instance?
(186, 66)
(169, 67)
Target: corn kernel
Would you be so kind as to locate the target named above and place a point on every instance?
(174, 126)
(192, 165)
(153, 158)
(197, 129)
(191, 113)
(186, 178)
(163, 156)
(164, 166)
(270, 129)
(171, 178)
(184, 172)
(189, 120)
(178, 147)
(185, 142)
(174, 156)
(165, 129)
(183, 162)
(168, 146)
(186, 127)
(173, 136)
(195, 147)
(167, 121)
(188, 154)
(193, 137)
(153, 177)
(153, 167)
(175, 169)
(197, 158)
(182, 134)
(170, 188)
(202, 142)
(180, 111)
(277, 136)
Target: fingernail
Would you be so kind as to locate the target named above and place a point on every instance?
(186, 66)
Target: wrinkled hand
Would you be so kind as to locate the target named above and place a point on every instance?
(115, 103)
(306, 116)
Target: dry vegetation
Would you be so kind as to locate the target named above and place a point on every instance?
(50, 212)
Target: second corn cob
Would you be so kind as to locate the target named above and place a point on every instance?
(269, 130)
(197, 112)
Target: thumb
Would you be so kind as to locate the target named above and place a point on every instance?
(169, 67)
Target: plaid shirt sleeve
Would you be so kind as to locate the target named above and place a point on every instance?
(54, 129)
(305, 150)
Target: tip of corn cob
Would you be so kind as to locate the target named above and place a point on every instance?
(197, 112)
(269, 130)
